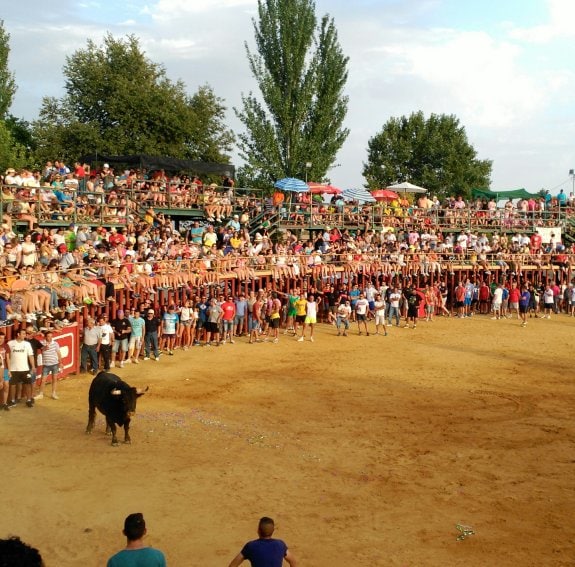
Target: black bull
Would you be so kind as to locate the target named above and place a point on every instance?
(116, 400)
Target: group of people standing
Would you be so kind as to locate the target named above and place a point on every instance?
(20, 359)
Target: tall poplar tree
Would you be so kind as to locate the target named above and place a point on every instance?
(301, 73)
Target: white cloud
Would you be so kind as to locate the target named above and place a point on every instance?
(560, 24)
(166, 10)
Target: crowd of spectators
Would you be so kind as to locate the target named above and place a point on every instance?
(52, 272)
(426, 212)
(199, 285)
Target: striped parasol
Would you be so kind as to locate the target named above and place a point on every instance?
(291, 184)
(358, 194)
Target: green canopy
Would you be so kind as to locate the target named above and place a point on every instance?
(503, 194)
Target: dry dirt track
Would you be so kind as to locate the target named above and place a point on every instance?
(366, 450)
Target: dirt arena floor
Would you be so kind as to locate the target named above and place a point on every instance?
(367, 451)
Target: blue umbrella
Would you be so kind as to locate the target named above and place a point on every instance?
(292, 184)
(359, 194)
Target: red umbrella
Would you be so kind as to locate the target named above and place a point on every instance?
(384, 195)
(318, 188)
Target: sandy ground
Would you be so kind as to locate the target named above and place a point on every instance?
(367, 451)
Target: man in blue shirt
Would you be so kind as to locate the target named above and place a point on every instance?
(170, 323)
(265, 551)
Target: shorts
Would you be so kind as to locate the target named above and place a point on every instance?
(6, 375)
(459, 304)
(514, 305)
(20, 377)
(48, 369)
(187, 323)
(275, 323)
(380, 319)
(228, 325)
(371, 305)
(496, 306)
(361, 317)
(523, 308)
(300, 318)
(212, 327)
(310, 321)
(135, 342)
(291, 313)
(120, 344)
(200, 324)
(467, 301)
(256, 326)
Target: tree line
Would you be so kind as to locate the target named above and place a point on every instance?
(118, 101)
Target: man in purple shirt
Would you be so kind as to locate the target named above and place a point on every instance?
(265, 551)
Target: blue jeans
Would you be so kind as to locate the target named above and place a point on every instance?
(88, 352)
(151, 343)
(393, 312)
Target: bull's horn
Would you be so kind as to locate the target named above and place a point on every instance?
(116, 392)
(139, 391)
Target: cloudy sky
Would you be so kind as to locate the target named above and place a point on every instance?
(504, 68)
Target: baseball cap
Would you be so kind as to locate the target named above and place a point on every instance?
(150, 311)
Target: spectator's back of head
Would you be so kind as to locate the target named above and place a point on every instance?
(266, 527)
(135, 526)
(15, 553)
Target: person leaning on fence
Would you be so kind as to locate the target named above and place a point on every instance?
(91, 339)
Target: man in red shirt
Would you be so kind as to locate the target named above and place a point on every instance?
(514, 295)
(117, 237)
(228, 317)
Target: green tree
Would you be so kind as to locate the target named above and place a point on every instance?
(301, 74)
(119, 102)
(7, 81)
(432, 153)
(12, 151)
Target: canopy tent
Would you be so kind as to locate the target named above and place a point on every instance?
(406, 187)
(144, 161)
(503, 194)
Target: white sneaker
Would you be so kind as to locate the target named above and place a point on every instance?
(122, 364)
(112, 364)
(136, 361)
(311, 339)
(129, 361)
(39, 396)
(300, 340)
(55, 397)
(146, 358)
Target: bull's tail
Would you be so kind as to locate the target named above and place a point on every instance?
(91, 418)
